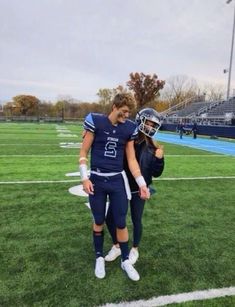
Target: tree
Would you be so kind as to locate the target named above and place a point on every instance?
(8, 108)
(46, 109)
(62, 105)
(105, 96)
(26, 104)
(214, 92)
(179, 88)
(145, 87)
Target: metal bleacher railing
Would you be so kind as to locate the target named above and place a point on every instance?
(220, 112)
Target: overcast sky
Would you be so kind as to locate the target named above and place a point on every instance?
(74, 47)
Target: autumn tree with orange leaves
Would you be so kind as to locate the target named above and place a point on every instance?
(145, 87)
(26, 104)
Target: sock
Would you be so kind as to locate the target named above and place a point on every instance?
(98, 240)
(124, 250)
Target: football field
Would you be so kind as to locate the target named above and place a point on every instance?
(46, 252)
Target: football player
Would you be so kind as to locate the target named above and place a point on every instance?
(151, 160)
(108, 137)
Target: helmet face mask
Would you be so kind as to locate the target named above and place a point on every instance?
(148, 121)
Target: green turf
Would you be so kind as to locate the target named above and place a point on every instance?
(46, 253)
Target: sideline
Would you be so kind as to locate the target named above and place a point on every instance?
(178, 298)
(209, 145)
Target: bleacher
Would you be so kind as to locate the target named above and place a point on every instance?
(216, 113)
(210, 109)
(193, 108)
(216, 119)
(190, 109)
(221, 108)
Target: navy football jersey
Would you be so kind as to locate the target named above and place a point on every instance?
(108, 148)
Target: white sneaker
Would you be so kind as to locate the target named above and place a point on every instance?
(130, 270)
(133, 255)
(100, 267)
(113, 253)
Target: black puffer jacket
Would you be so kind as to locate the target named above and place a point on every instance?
(150, 165)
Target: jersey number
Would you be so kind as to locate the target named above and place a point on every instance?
(110, 149)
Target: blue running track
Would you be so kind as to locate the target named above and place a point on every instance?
(217, 146)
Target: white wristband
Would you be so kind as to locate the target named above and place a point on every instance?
(140, 181)
(83, 172)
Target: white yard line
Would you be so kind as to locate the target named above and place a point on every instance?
(178, 298)
(78, 180)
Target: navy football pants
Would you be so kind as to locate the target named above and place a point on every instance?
(113, 188)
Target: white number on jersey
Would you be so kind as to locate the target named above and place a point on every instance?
(110, 149)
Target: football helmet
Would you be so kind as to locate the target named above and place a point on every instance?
(148, 114)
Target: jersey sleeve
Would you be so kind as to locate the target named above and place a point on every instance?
(89, 123)
(134, 134)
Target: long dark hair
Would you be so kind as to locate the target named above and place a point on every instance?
(149, 142)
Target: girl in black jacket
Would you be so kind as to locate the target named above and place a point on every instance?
(151, 160)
